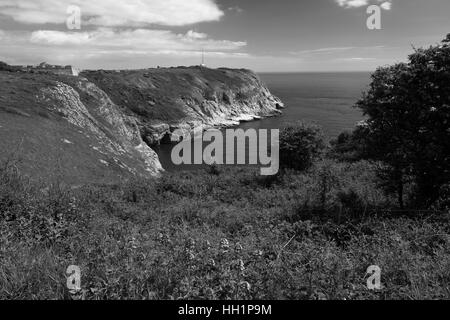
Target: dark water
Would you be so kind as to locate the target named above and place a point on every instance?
(322, 98)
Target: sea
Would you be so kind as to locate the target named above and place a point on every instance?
(327, 99)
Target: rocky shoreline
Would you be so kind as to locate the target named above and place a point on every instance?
(163, 133)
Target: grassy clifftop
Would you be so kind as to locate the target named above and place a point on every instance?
(163, 94)
(186, 96)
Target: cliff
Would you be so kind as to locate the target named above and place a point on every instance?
(163, 100)
(100, 127)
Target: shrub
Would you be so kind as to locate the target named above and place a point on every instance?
(351, 146)
(300, 145)
(443, 202)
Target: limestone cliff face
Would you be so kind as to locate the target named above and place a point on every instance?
(67, 128)
(116, 133)
(101, 126)
(163, 100)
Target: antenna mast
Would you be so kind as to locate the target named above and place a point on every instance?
(203, 51)
(203, 57)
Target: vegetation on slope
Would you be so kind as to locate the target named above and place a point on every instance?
(224, 234)
(408, 127)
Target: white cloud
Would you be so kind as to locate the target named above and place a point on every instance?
(236, 9)
(324, 50)
(336, 50)
(356, 59)
(119, 30)
(114, 13)
(386, 5)
(196, 35)
(139, 40)
(110, 48)
(60, 38)
(352, 3)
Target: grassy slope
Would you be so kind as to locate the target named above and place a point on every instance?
(29, 130)
(231, 235)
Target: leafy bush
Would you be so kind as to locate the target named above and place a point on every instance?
(300, 145)
(351, 146)
(443, 202)
(408, 106)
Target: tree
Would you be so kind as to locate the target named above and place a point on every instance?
(408, 106)
(351, 146)
(300, 145)
(447, 39)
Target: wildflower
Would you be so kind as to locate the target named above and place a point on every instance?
(241, 265)
(190, 255)
(238, 247)
(245, 285)
(211, 263)
(320, 296)
(224, 244)
(73, 203)
(190, 244)
(164, 238)
(152, 295)
(133, 243)
(210, 294)
(258, 253)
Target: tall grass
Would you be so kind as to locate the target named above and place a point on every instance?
(227, 234)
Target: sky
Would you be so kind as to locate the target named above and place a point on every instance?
(262, 35)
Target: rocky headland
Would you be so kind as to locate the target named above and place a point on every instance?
(102, 125)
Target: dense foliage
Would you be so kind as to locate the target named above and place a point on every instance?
(351, 146)
(227, 234)
(408, 109)
(300, 145)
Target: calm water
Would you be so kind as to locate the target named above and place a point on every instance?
(322, 98)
